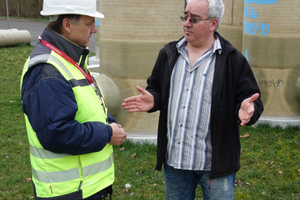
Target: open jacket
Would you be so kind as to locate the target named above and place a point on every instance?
(233, 82)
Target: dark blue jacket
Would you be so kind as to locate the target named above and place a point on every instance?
(54, 120)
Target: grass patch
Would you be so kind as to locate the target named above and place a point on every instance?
(270, 163)
(14, 149)
(270, 159)
(134, 165)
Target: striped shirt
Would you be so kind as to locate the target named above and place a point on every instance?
(189, 146)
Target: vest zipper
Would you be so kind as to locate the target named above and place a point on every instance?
(79, 186)
(80, 172)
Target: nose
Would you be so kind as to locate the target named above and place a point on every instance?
(187, 22)
(94, 29)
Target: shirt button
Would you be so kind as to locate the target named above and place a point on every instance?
(179, 143)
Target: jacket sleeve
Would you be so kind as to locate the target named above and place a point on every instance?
(247, 86)
(158, 83)
(154, 82)
(50, 105)
(111, 119)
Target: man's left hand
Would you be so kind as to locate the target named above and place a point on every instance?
(247, 109)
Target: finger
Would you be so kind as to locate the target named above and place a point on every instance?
(134, 110)
(129, 103)
(131, 108)
(142, 90)
(131, 99)
(253, 97)
(127, 107)
(243, 123)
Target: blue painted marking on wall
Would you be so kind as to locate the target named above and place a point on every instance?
(97, 22)
(246, 55)
(261, 1)
(249, 12)
(253, 28)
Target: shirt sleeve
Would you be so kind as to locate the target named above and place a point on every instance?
(49, 103)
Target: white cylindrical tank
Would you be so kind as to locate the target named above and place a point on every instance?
(131, 35)
(12, 37)
(232, 23)
(271, 42)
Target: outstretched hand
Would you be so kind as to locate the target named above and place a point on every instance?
(247, 109)
(140, 103)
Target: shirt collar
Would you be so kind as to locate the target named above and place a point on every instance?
(216, 46)
(181, 45)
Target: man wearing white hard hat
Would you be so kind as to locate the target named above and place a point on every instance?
(69, 129)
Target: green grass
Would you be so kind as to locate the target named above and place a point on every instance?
(14, 149)
(270, 163)
(270, 159)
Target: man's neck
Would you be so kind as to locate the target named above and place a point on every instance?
(195, 51)
(202, 44)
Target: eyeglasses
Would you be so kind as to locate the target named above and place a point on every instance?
(193, 20)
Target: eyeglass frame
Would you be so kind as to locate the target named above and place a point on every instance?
(193, 20)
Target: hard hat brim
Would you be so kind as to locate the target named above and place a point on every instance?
(96, 14)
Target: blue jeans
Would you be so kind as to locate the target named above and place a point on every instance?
(181, 185)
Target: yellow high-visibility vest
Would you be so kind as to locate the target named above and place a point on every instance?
(56, 175)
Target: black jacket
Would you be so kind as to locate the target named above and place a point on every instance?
(233, 82)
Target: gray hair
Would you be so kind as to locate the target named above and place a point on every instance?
(215, 9)
(57, 24)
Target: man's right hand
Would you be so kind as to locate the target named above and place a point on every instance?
(140, 103)
(118, 134)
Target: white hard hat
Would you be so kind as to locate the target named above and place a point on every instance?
(79, 7)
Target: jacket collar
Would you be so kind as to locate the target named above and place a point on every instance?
(71, 49)
(226, 46)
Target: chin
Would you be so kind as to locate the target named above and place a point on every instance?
(84, 46)
(188, 39)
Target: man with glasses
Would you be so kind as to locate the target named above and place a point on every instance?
(204, 89)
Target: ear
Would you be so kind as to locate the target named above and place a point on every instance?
(66, 25)
(214, 24)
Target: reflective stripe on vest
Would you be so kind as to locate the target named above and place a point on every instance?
(66, 175)
(55, 177)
